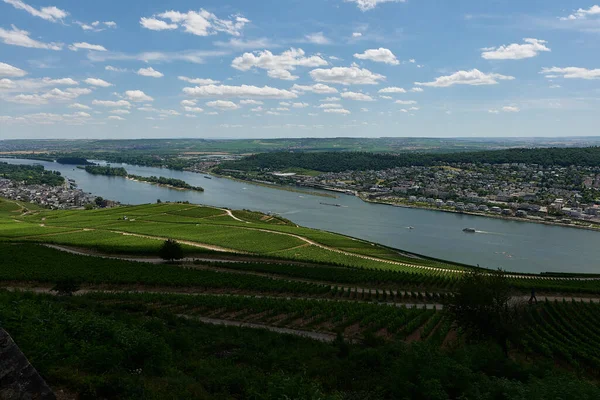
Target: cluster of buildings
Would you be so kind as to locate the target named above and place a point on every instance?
(517, 190)
(54, 197)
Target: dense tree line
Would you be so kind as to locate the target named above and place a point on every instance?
(106, 170)
(31, 174)
(355, 161)
(161, 180)
(73, 161)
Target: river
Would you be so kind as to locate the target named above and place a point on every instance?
(511, 245)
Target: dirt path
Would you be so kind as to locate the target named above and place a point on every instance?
(322, 337)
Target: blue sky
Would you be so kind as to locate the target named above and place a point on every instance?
(298, 68)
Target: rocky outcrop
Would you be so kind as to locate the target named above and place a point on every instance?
(18, 378)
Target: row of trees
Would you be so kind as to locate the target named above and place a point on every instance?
(106, 170)
(31, 174)
(360, 161)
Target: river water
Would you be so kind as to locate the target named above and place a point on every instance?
(510, 245)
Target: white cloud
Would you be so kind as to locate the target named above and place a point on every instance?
(364, 109)
(96, 26)
(300, 105)
(337, 111)
(366, 5)
(494, 111)
(386, 97)
(405, 102)
(51, 14)
(278, 66)
(317, 38)
(416, 90)
(52, 95)
(392, 89)
(189, 103)
(193, 56)
(9, 70)
(357, 96)
(251, 102)
(18, 37)
(473, 77)
(330, 99)
(531, 48)
(97, 82)
(193, 109)
(282, 74)
(137, 96)
(582, 13)
(109, 103)
(34, 85)
(356, 34)
(156, 25)
(378, 55)
(249, 44)
(272, 113)
(121, 112)
(346, 76)
(197, 81)
(330, 105)
(116, 118)
(247, 91)
(115, 69)
(150, 72)
(86, 46)
(281, 109)
(190, 115)
(318, 88)
(223, 105)
(510, 109)
(79, 106)
(572, 72)
(200, 23)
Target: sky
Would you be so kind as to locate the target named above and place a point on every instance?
(298, 68)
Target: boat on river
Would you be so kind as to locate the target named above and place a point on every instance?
(331, 204)
(469, 230)
(207, 177)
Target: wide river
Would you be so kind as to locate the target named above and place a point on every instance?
(510, 245)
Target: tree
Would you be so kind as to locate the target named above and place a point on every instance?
(484, 309)
(171, 250)
(66, 287)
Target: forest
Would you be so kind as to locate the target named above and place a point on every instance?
(106, 170)
(360, 161)
(161, 180)
(30, 174)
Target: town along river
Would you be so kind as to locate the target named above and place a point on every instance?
(510, 245)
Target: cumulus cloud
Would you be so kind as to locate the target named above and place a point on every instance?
(150, 72)
(366, 5)
(245, 44)
(10, 71)
(197, 81)
(50, 96)
(386, 97)
(405, 102)
(115, 69)
(356, 34)
(583, 13)
(189, 103)
(330, 99)
(572, 72)
(77, 118)
(337, 111)
(79, 106)
(510, 109)
(223, 105)
(392, 89)
(346, 76)
(531, 48)
(378, 55)
(116, 118)
(19, 37)
(86, 46)
(251, 102)
(330, 105)
(51, 14)
(137, 96)
(34, 85)
(318, 88)
(278, 66)
(416, 90)
(193, 109)
(110, 103)
(200, 23)
(97, 82)
(357, 96)
(317, 38)
(300, 105)
(473, 77)
(97, 26)
(247, 91)
(193, 56)
(121, 112)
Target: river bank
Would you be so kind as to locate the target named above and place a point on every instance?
(591, 227)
